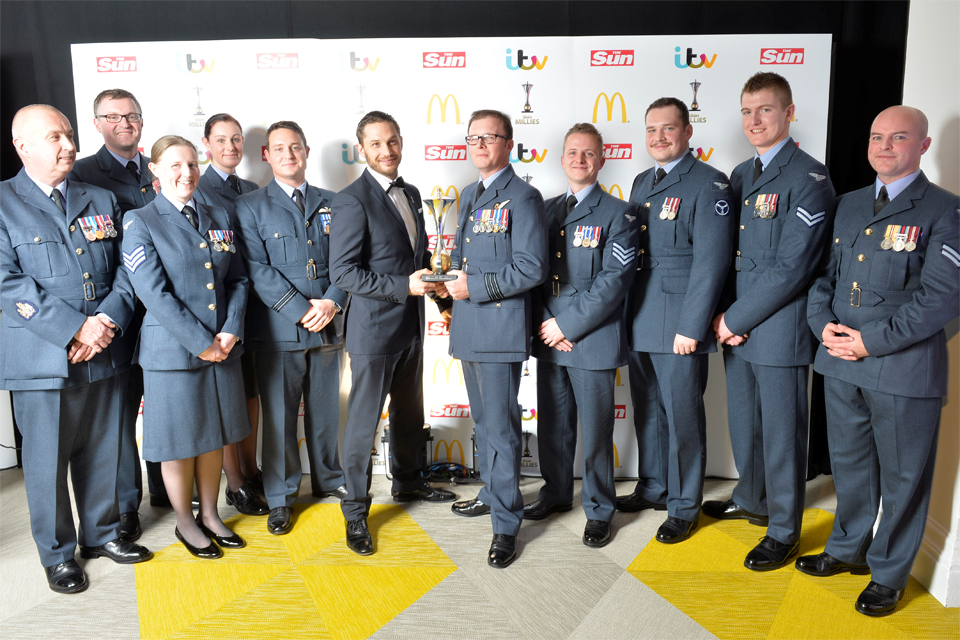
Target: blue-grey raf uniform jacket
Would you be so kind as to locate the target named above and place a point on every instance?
(586, 286)
(778, 255)
(494, 324)
(191, 291)
(103, 170)
(287, 255)
(684, 258)
(898, 300)
(216, 191)
(53, 279)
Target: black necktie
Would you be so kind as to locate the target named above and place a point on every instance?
(661, 174)
(571, 204)
(134, 170)
(881, 201)
(58, 199)
(235, 183)
(757, 169)
(191, 216)
(396, 183)
(480, 190)
(298, 198)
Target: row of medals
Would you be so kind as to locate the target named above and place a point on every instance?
(897, 245)
(223, 246)
(100, 233)
(578, 241)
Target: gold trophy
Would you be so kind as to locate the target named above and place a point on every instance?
(440, 260)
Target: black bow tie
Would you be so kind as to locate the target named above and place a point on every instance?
(396, 183)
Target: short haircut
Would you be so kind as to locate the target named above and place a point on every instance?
(373, 118)
(773, 81)
(585, 128)
(220, 117)
(166, 142)
(286, 124)
(661, 103)
(114, 94)
(493, 113)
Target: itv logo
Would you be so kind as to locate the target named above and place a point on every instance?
(691, 58)
(535, 63)
(358, 64)
(193, 65)
(521, 153)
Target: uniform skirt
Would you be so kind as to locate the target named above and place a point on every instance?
(192, 412)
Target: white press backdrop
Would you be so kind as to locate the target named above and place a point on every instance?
(431, 85)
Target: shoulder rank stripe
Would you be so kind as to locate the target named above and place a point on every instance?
(811, 219)
(951, 254)
(135, 258)
(624, 255)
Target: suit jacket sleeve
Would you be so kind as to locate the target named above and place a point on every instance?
(152, 286)
(271, 286)
(349, 238)
(236, 288)
(120, 302)
(822, 291)
(798, 257)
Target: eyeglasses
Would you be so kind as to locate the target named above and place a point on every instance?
(488, 138)
(114, 118)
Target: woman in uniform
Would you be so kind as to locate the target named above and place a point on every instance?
(220, 185)
(184, 267)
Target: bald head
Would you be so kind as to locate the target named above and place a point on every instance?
(43, 139)
(907, 114)
(898, 137)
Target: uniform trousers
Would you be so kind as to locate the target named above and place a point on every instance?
(882, 446)
(768, 413)
(77, 427)
(283, 378)
(492, 388)
(678, 432)
(652, 429)
(560, 392)
(375, 376)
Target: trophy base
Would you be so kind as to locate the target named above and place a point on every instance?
(437, 277)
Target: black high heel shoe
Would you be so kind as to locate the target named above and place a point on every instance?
(209, 552)
(232, 541)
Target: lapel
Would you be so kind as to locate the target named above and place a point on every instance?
(213, 182)
(381, 197)
(585, 208)
(313, 202)
(903, 201)
(204, 220)
(773, 169)
(32, 194)
(279, 198)
(117, 171)
(492, 195)
(673, 177)
(77, 201)
(146, 176)
(166, 208)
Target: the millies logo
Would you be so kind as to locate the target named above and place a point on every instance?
(618, 151)
(444, 59)
(278, 61)
(109, 64)
(445, 152)
(781, 56)
(611, 58)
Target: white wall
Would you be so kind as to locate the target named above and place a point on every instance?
(932, 84)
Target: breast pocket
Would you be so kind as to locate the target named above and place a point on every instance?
(889, 269)
(843, 240)
(280, 242)
(586, 261)
(41, 252)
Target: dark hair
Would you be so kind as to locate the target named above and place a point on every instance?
(373, 118)
(493, 113)
(113, 94)
(588, 129)
(768, 80)
(222, 117)
(286, 124)
(660, 103)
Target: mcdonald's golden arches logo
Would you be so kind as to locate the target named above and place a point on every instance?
(448, 366)
(609, 102)
(448, 450)
(619, 194)
(443, 108)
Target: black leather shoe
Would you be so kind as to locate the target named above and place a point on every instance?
(119, 550)
(425, 493)
(877, 600)
(538, 509)
(340, 493)
(280, 520)
(730, 510)
(675, 530)
(66, 577)
(209, 552)
(358, 537)
(233, 541)
(503, 551)
(596, 534)
(770, 554)
(824, 564)
(130, 526)
(470, 508)
(256, 483)
(246, 501)
(635, 502)
(161, 502)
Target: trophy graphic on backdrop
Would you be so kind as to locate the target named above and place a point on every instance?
(696, 87)
(440, 260)
(199, 111)
(360, 87)
(526, 87)
(526, 444)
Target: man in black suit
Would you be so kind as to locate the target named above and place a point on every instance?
(378, 253)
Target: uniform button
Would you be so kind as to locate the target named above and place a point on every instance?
(308, 223)
(73, 228)
(738, 253)
(143, 189)
(310, 242)
(276, 235)
(79, 251)
(203, 245)
(471, 218)
(836, 241)
(869, 232)
(643, 227)
(747, 202)
(561, 232)
(208, 265)
(499, 305)
(647, 205)
(641, 251)
(212, 307)
(860, 258)
(86, 276)
(742, 227)
(37, 239)
(468, 240)
(209, 285)
(558, 254)
(556, 276)
(856, 284)
(458, 226)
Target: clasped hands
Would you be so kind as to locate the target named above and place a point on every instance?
(94, 336)
(223, 344)
(724, 335)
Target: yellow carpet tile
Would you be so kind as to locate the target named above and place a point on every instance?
(705, 578)
(312, 585)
